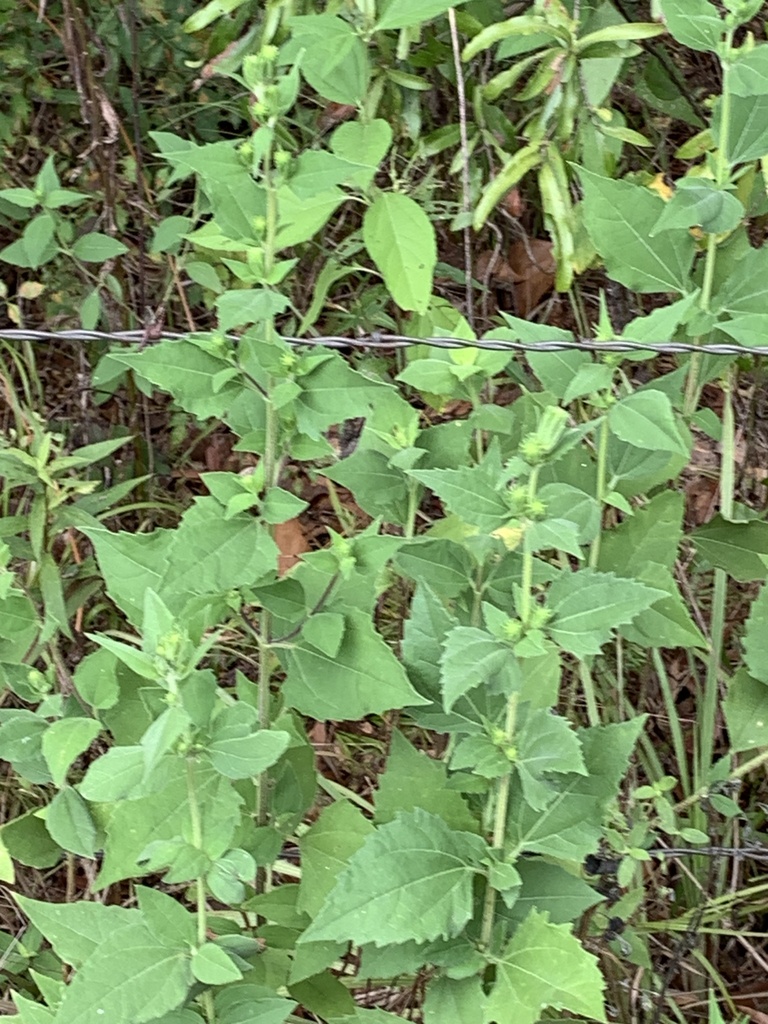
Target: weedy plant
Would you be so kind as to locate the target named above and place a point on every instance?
(550, 567)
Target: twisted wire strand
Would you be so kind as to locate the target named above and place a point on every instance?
(391, 341)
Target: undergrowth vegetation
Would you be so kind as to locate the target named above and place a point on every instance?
(423, 683)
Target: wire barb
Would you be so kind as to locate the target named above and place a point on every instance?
(391, 341)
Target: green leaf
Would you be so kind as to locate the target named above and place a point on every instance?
(447, 999)
(164, 814)
(326, 848)
(694, 23)
(365, 144)
(113, 775)
(97, 248)
(241, 757)
(749, 72)
(65, 740)
(746, 139)
(445, 566)
(364, 678)
(280, 505)
(571, 825)
(69, 823)
(472, 657)
(546, 743)
(335, 59)
(550, 888)
(413, 779)
(379, 488)
(132, 977)
(619, 217)
(588, 605)
(545, 966)
(646, 419)
(739, 548)
(470, 493)
(166, 918)
(212, 966)
(36, 245)
(401, 242)
(411, 880)
(247, 306)
(746, 712)
(27, 841)
(755, 638)
(76, 930)
(699, 202)
(403, 13)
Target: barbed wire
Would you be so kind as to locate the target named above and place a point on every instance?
(394, 341)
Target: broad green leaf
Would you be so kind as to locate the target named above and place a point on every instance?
(335, 58)
(69, 823)
(699, 202)
(668, 623)
(113, 775)
(652, 534)
(36, 246)
(326, 848)
(167, 919)
(379, 488)
(571, 826)
(546, 743)
(646, 419)
(401, 242)
(660, 323)
(447, 999)
(411, 880)
(247, 306)
(65, 740)
(756, 637)
(248, 1003)
(27, 840)
(472, 657)
(588, 605)
(364, 678)
(131, 978)
(361, 143)
(550, 888)
(619, 217)
(470, 493)
(413, 779)
(212, 966)
(422, 646)
(746, 711)
(445, 566)
(739, 548)
(76, 930)
(97, 248)
(545, 966)
(748, 330)
(240, 757)
(403, 13)
(745, 291)
(749, 72)
(694, 23)
(746, 139)
(333, 392)
(165, 815)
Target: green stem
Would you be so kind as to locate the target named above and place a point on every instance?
(674, 720)
(602, 472)
(499, 825)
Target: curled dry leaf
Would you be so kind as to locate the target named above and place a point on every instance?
(528, 271)
(333, 114)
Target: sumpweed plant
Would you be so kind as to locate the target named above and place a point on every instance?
(549, 565)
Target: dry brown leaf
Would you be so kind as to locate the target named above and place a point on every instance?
(533, 265)
(333, 114)
(292, 543)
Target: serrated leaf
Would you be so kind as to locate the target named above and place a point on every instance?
(470, 493)
(76, 930)
(471, 657)
(447, 999)
(241, 757)
(412, 779)
(131, 978)
(619, 217)
(401, 242)
(550, 888)
(411, 880)
(545, 966)
(588, 605)
(646, 419)
(363, 678)
(326, 848)
(741, 549)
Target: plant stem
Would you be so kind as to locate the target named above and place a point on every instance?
(200, 900)
(602, 464)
